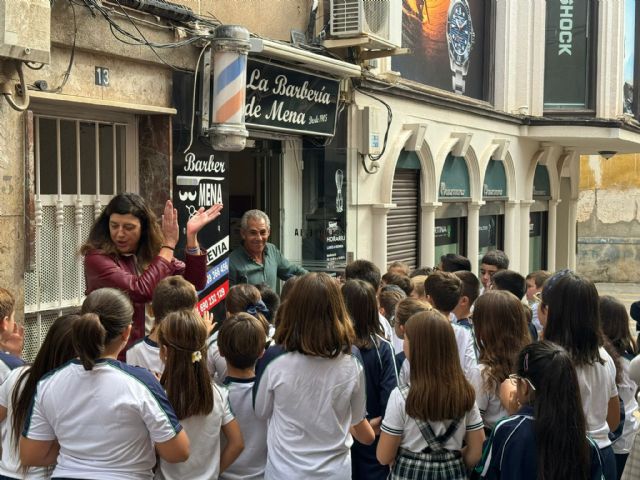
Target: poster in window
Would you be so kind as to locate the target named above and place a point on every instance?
(567, 54)
(446, 38)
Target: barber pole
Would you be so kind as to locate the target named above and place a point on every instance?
(230, 44)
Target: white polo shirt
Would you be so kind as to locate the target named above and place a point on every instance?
(7, 363)
(204, 440)
(597, 387)
(251, 462)
(105, 419)
(216, 363)
(10, 465)
(310, 402)
(146, 353)
(396, 422)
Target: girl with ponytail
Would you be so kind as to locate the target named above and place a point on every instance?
(96, 417)
(202, 407)
(17, 391)
(547, 438)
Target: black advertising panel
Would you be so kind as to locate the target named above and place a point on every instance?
(446, 38)
(446, 231)
(567, 54)
(288, 100)
(200, 179)
(488, 230)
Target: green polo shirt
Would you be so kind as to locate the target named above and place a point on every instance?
(243, 269)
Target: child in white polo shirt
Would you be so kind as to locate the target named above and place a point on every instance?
(171, 294)
(241, 341)
(96, 417)
(18, 389)
(202, 407)
(311, 387)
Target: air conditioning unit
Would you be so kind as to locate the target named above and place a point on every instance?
(379, 20)
(25, 30)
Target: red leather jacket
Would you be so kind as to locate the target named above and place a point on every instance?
(121, 272)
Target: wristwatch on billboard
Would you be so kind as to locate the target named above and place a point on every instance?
(460, 40)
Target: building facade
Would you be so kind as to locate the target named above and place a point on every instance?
(431, 127)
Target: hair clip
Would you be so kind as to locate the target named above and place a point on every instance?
(526, 362)
(196, 356)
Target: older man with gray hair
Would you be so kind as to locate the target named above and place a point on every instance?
(257, 261)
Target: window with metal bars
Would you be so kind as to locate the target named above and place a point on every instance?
(78, 165)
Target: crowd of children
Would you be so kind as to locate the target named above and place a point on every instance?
(423, 374)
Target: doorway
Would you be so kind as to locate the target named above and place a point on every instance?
(255, 176)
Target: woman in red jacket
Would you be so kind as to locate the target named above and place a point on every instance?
(130, 250)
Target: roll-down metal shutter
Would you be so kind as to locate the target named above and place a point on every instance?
(403, 221)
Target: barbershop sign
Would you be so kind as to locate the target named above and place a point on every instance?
(289, 100)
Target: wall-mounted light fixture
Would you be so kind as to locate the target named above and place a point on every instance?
(230, 45)
(607, 154)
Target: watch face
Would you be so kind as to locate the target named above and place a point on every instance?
(460, 32)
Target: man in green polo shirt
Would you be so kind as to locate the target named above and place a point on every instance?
(257, 261)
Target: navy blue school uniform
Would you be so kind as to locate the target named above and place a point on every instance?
(381, 378)
(510, 452)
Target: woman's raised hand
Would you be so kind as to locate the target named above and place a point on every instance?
(202, 217)
(170, 228)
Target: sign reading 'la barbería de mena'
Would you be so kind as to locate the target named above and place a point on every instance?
(288, 100)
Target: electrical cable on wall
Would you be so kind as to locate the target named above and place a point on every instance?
(193, 100)
(8, 94)
(375, 158)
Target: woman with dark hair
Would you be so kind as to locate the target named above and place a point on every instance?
(17, 391)
(379, 372)
(569, 310)
(96, 417)
(615, 326)
(547, 439)
(129, 250)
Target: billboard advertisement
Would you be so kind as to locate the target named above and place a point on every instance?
(446, 39)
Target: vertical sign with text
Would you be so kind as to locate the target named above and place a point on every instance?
(200, 179)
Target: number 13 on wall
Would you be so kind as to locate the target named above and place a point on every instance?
(102, 76)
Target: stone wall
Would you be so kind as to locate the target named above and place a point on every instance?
(608, 248)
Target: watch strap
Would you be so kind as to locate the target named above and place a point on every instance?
(458, 80)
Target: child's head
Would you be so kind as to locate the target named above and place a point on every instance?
(241, 340)
(105, 323)
(501, 330)
(510, 281)
(430, 346)
(492, 262)
(443, 290)
(615, 324)
(402, 281)
(417, 283)
(388, 298)
(363, 270)
(362, 306)
(271, 299)
(405, 309)
(182, 337)
(314, 319)
(469, 294)
(535, 281)
(246, 298)
(570, 314)
(399, 268)
(452, 262)
(546, 378)
(56, 350)
(172, 294)
(7, 311)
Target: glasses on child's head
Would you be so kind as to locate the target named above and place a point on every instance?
(514, 378)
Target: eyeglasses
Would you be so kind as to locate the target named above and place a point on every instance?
(514, 380)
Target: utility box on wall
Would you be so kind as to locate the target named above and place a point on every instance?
(372, 131)
(25, 27)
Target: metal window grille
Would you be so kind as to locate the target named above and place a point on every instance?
(79, 167)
